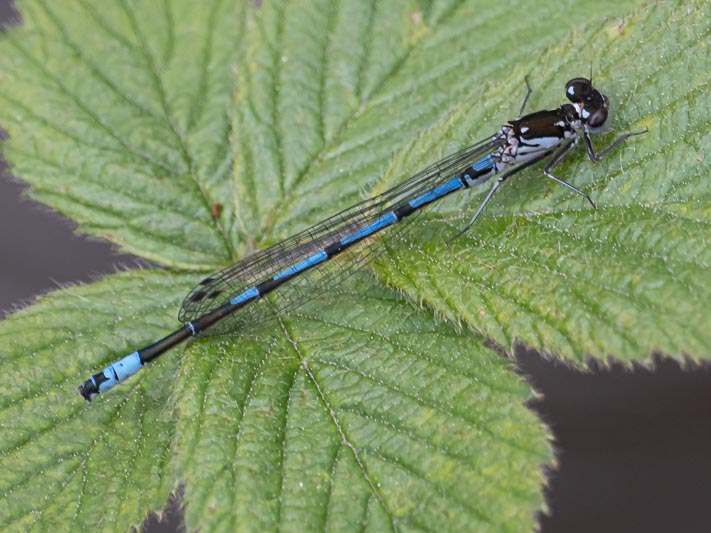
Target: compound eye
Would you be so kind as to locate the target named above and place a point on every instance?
(598, 119)
(578, 90)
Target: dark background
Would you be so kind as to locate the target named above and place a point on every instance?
(632, 443)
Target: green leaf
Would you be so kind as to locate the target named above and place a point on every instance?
(627, 279)
(360, 409)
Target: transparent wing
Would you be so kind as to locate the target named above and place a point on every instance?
(220, 287)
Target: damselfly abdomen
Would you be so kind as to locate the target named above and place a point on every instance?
(225, 301)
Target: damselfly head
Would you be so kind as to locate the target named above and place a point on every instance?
(593, 106)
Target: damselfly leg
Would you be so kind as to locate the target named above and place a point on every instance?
(497, 183)
(525, 98)
(557, 156)
(622, 138)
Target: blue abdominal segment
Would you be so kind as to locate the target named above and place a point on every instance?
(249, 294)
(371, 228)
(436, 193)
(485, 163)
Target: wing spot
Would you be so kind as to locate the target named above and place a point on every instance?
(199, 295)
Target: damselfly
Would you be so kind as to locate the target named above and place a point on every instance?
(211, 308)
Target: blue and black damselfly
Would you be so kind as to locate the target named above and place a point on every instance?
(327, 252)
